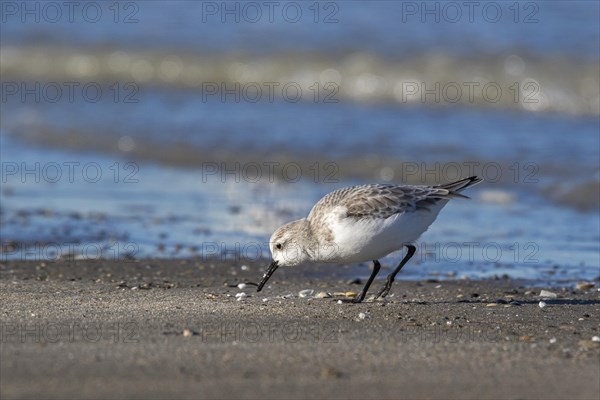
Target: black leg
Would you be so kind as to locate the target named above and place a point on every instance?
(361, 296)
(390, 279)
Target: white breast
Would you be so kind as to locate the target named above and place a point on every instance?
(371, 239)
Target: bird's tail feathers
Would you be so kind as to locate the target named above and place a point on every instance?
(455, 187)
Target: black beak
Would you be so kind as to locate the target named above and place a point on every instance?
(272, 267)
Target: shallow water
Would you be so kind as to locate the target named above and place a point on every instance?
(552, 155)
(158, 211)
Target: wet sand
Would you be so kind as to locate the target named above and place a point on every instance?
(175, 329)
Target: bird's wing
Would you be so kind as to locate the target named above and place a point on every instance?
(380, 200)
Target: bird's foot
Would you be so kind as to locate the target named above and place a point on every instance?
(384, 291)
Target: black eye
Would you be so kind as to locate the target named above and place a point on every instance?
(278, 245)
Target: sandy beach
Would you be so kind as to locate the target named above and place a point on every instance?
(175, 329)
(149, 152)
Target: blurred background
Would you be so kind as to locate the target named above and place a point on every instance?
(193, 129)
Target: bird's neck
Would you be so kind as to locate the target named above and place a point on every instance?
(312, 245)
(306, 237)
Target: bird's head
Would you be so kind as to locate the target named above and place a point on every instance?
(288, 247)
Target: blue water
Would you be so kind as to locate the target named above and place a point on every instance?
(330, 130)
(565, 28)
(155, 211)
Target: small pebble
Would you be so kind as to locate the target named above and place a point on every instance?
(265, 299)
(241, 296)
(330, 373)
(323, 295)
(542, 304)
(362, 315)
(448, 323)
(241, 285)
(187, 332)
(244, 268)
(553, 340)
(588, 344)
(345, 294)
(306, 293)
(340, 302)
(584, 285)
(548, 294)
(596, 339)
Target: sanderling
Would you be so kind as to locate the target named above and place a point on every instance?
(362, 223)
